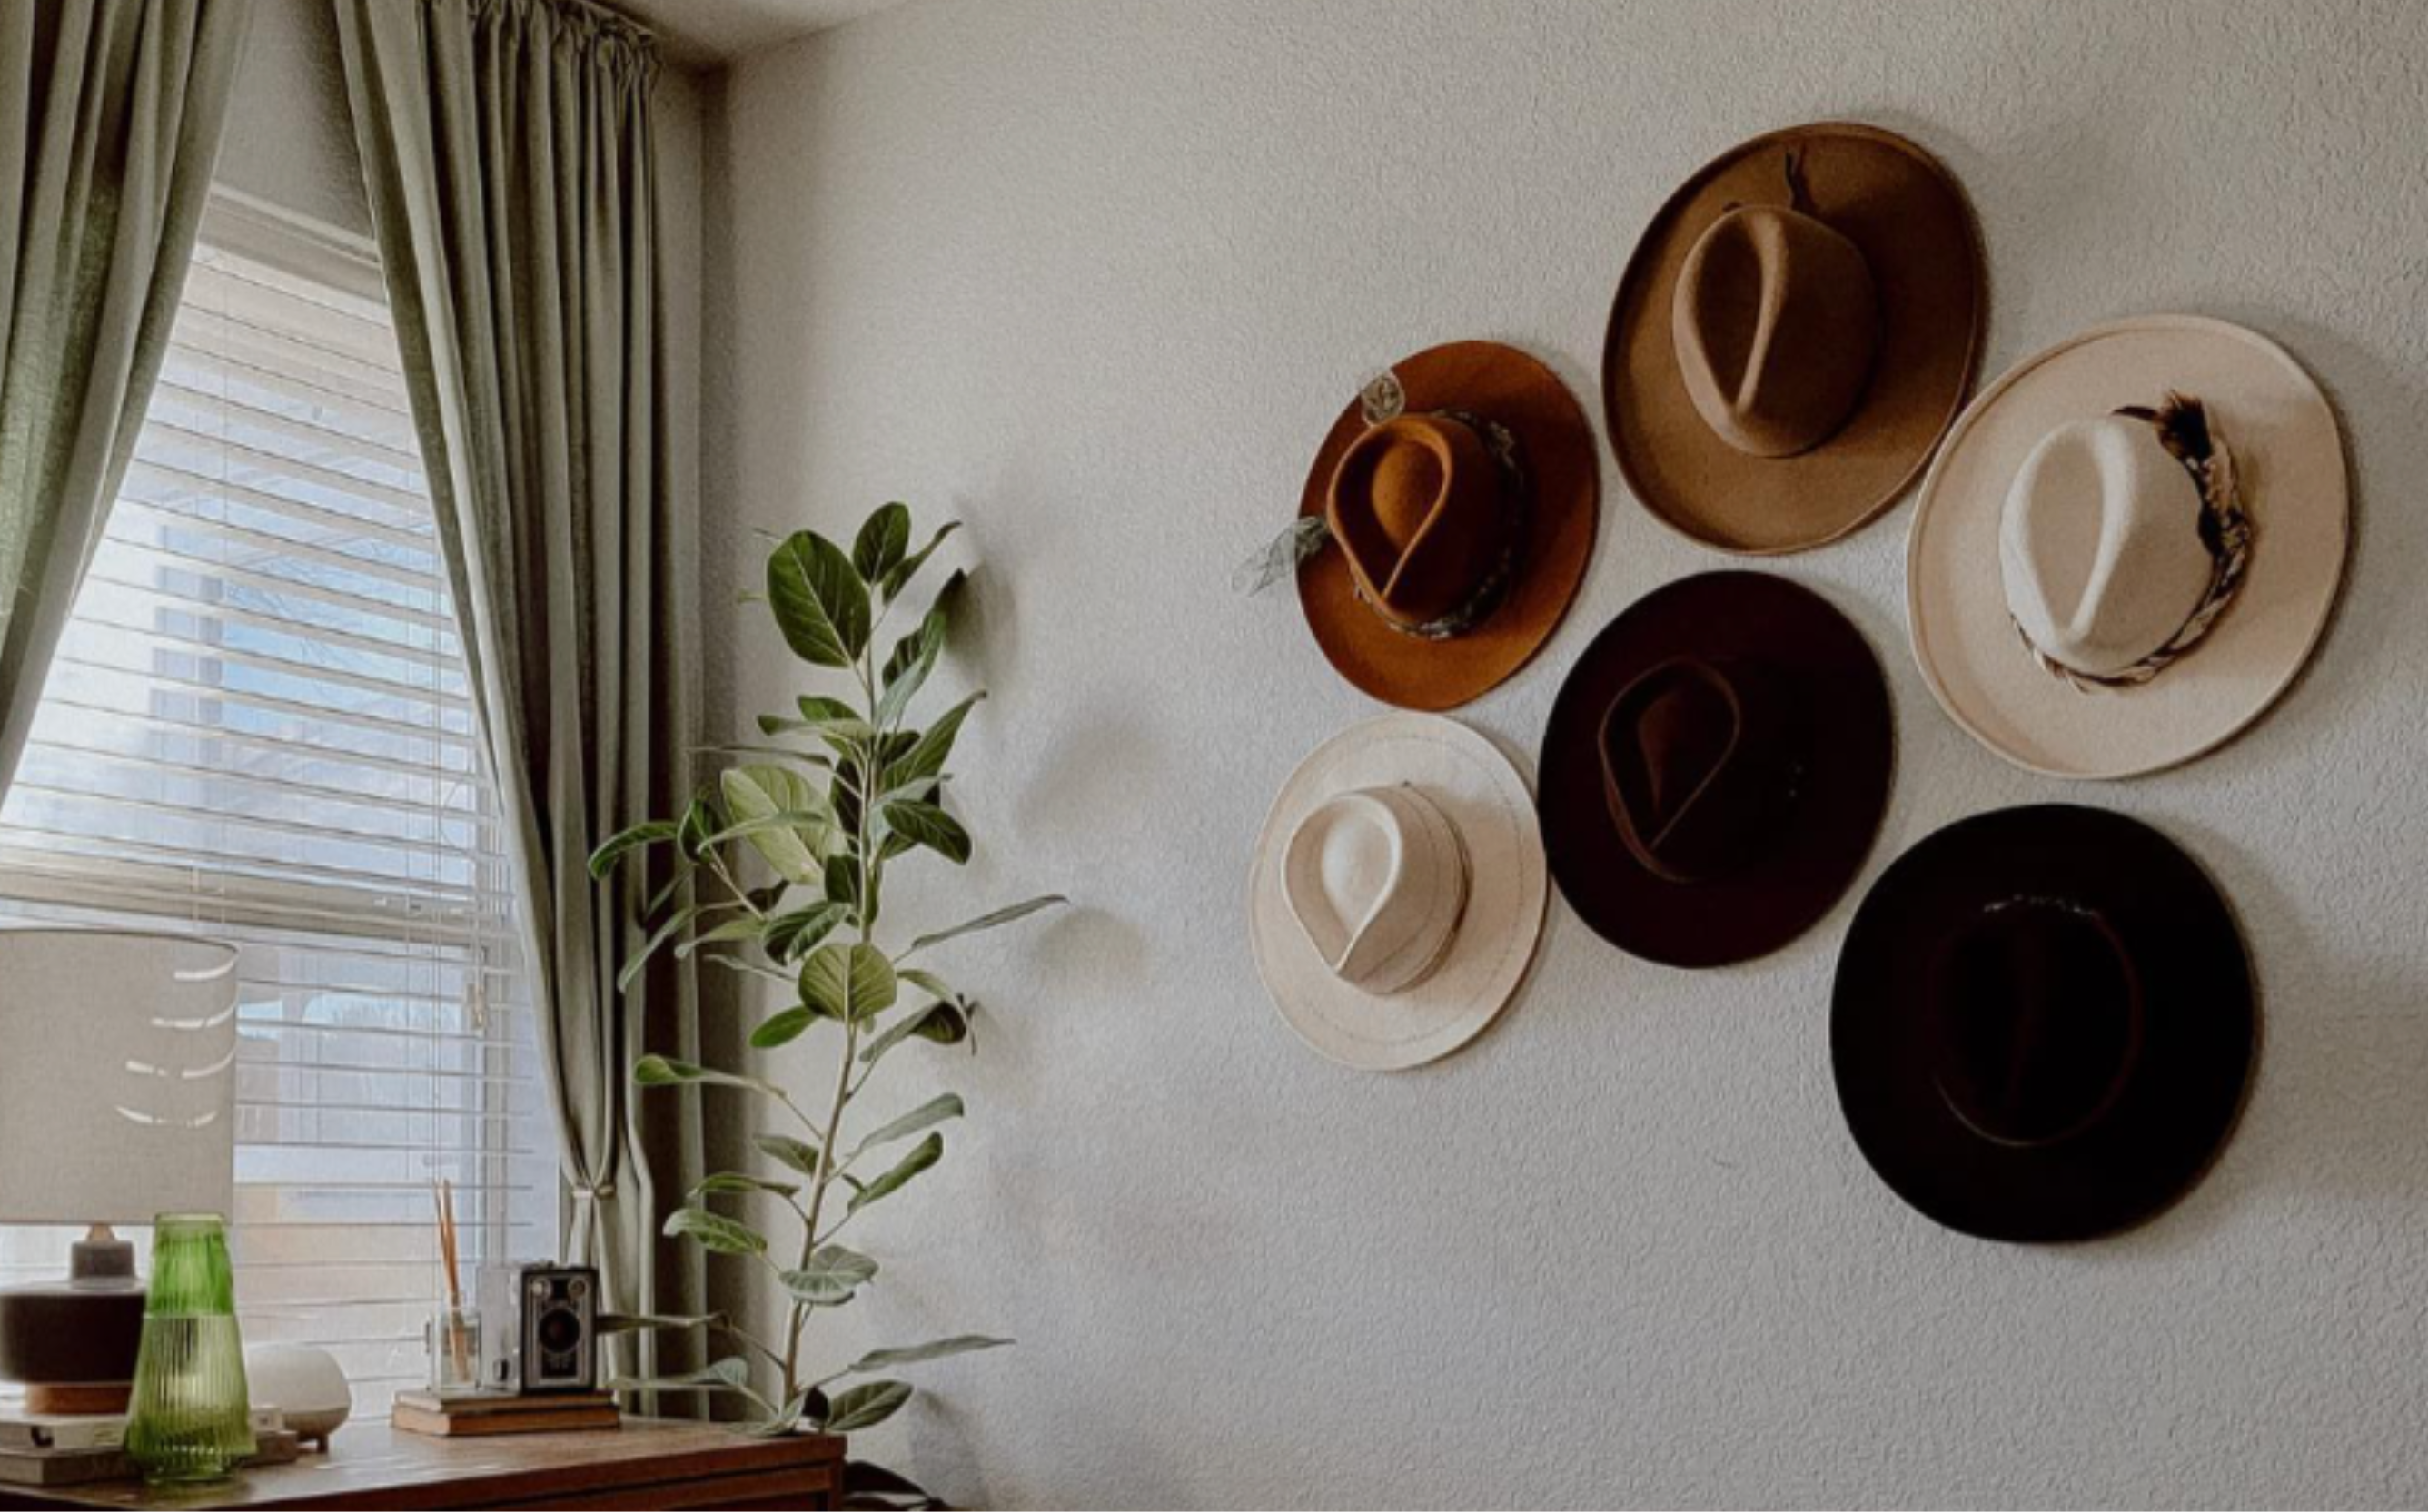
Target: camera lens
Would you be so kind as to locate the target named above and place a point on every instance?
(558, 1330)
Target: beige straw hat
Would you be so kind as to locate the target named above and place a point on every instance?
(1398, 891)
(2128, 547)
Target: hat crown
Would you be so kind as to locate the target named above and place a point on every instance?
(2036, 1009)
(1416, 506)
(1700, 759)
(1777, 322)
(2100, 544)
(1377, 879)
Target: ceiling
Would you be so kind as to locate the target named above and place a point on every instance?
(705, 33)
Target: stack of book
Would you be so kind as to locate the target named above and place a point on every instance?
(39, 1449)
(496, 1412)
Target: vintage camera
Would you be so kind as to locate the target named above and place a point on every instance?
(540, 1327)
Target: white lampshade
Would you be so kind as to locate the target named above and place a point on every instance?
(117, 1076)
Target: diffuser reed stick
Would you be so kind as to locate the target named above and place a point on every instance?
(443, 1196)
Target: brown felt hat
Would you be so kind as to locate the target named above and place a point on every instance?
(1714, 769)
(2042, 1025)
(1460, 491)
(1798, 326)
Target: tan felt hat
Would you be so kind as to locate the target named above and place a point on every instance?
(1398, 891)
(1795, 329)
(1459, 492)
(2128, 547)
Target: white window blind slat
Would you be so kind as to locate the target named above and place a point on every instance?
(259, 726)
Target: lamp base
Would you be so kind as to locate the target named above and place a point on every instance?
(72, 1342)
(59, 1400)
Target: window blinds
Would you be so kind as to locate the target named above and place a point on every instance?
(259, 726)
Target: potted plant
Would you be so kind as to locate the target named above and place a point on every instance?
(780, 873)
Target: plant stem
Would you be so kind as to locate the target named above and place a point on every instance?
(869, 869)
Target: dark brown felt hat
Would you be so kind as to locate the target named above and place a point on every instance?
(1714, 769)
(1452, 557)
(2044, 1024)
(1798, 327)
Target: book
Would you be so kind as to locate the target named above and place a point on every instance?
(484, 1424)
(82, 1467)
(496, 1403)
(91, 1430)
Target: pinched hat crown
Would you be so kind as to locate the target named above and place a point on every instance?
(2036, 1017)
(1418, 508)
(1701, 761)
(2122, 539)
(1777, 322)
(1377, 878)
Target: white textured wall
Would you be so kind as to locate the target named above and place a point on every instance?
(1095, 277)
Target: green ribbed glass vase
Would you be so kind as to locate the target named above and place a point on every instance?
(191, 1418)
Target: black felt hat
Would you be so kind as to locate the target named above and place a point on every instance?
(1715, 768)
(2044, 1024)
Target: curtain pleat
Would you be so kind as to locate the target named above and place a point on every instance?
(112, 113)
(507, 148)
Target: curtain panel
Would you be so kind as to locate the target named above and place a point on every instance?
(507, 148)
(112, 113)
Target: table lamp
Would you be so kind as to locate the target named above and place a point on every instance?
(117, 1104)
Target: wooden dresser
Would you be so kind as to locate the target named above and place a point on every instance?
(643, 1464)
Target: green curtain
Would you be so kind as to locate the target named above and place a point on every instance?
(506, 145)
(110, 118)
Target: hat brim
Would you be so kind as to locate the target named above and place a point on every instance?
(1909, 218)
(1556, 444)
(2288, 452)
(2186, 1089)
(1486, 797)
(1820, 846)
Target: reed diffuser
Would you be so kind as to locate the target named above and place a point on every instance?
(455, 1333)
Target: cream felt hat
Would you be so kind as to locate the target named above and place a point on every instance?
(2128, 547)
(1398, 891)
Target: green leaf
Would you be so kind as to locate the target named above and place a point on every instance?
(934, 1111)
(699, 828)
(926, 981)
(852, 984)
(878, 1359)
(658, 1071)
(915, 656)
(798, 1154)
(926, 824)
(900, 577)
(833, 1275)
(734, 1183)
(610, 1324)
(821, 605)
(781, 1029)
(715, 1232)
(1000, 916)
(945, 1023)
(883, 538)
(865, 1406)
(817, 708)
(923, 1155)
(618, 846)
(787, 936)
(735, 963)
(927, 755)
(786, 819)
(731, 1373)
(842, 881)
(658, 937)
(735, 929)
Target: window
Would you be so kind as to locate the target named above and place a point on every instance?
(259, 726)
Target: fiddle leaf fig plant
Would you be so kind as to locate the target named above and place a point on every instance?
(785, 858)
